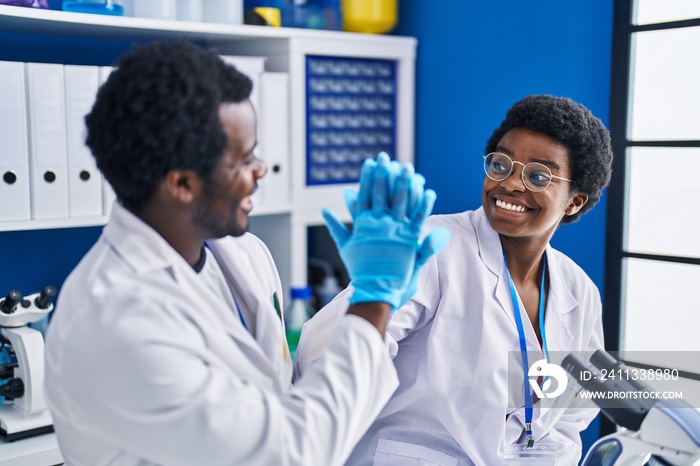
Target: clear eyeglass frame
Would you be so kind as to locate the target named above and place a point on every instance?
(533, 170)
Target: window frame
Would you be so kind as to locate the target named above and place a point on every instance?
(620, 101)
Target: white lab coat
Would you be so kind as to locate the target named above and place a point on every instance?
(452, 344)
(146, 366)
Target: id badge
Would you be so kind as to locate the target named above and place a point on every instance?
(541, 454)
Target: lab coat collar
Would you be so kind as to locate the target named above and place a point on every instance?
(137, 243)
(560, 293)
(490, 249)
(491, 252)
(145, 250)
(560, 301)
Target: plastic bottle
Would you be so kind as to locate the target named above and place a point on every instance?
(223, 11)
(312, 14)
(190, 10)
(127, 6)
(158, 9)
(329, 287)
(296, 314)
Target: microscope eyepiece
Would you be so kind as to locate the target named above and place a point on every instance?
(625, 412)
(9, 304)
(604, 360)
(46, 296)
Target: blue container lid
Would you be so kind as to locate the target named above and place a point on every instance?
(94, 7)
(301, 292)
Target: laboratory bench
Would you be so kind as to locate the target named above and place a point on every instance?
(41, 450)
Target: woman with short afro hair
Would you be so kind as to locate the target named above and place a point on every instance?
(576, 127)
(497, 289)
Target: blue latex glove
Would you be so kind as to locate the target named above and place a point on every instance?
(415, 186)
(383, 254)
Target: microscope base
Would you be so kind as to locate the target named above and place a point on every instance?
(15, 425)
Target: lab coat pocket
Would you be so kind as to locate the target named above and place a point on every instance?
(394, 453)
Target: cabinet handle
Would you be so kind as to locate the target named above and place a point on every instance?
(50, 176)
(9, 177)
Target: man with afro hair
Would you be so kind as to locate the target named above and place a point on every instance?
(167, 346)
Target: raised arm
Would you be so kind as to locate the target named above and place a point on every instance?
(384, 254)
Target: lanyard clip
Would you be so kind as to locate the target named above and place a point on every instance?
(529, 441)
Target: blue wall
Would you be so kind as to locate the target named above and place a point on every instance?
(37, 258)
(475, 59)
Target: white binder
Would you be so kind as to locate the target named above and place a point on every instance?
(84, 181)
(14, 154)
(108, 196)
(253, 67)
(273, 132)
(48, 164)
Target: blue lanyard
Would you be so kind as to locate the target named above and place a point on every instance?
(523, 344)
(235, 301)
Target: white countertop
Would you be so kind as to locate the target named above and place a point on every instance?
(41, 450)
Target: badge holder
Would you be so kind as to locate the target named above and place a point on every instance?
(541, 454)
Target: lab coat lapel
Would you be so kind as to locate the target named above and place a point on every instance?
(228, 317)
(491, 253)
(256, 301)
(145, 250)
(560, 302)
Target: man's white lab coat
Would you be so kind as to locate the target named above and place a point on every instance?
(146, 366)
(454, 404)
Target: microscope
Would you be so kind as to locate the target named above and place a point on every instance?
(655, 432)
(24, 413)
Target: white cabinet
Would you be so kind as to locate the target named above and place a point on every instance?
(283, 226)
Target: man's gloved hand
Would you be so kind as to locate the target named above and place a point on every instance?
(416, 184)
(383, 254)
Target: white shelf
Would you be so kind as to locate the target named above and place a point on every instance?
(63, 23)
(51, 224)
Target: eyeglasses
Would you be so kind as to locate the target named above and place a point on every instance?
(536, 177)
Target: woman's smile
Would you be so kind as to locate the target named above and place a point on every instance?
(510, 207)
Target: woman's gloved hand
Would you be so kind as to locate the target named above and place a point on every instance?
(416, 185)
(383, 254)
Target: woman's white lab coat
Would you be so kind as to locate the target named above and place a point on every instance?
(146, 366)
(454, 404)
